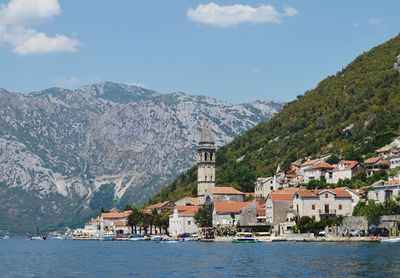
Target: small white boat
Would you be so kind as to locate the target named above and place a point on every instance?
(156, 238)
(6, 237)
(37, 238)
(108, 236)
(245, 238)
(391, 240)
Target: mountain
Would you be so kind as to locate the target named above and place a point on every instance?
(65, 154)
(349, 114)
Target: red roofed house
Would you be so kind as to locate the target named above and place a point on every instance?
(115, 221)
(346, 169)
(222, 193)
(307, 164)
(316, 171)
(234, 213)
(160, 207)
(383, 191)
(182, 220)
(375, 164)
(323, 204)
(278, 204)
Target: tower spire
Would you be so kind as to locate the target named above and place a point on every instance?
(206, 134)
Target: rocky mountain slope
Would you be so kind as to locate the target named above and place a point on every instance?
(349, 114)
(66, 153)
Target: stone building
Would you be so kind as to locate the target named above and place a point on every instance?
(206, 164)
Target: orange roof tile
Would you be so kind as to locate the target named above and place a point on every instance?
(350, 163)
(392, 182)
(222, 190)
(309, 162)
(116, 215)
(373, 160)
(190, 211)
(158, 205)
(320, 165)
(339, 193)
(227, 207)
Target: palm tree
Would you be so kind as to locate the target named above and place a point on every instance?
(145, 221)
(134, 219)
(155, 217)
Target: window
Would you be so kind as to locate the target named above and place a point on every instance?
(313, 207)
(326, 195)
(340, 207)
(271, 188)
(313, 217)
(189, 222)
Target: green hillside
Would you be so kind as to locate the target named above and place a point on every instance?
(349, 114)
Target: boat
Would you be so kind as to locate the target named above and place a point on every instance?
(38, 238)
(6, 237)
(245, 238)
(156, 238)
(136, 237)
(391, 240)
(108, 236)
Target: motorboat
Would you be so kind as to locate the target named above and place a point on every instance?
(136, 237)
(391, 240)
(245, 238)
(6, 237)
(156, 238)
(38, 238)
(108, 236)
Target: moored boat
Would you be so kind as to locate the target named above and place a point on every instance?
(108, 236)
(245, 238)
(391, 240)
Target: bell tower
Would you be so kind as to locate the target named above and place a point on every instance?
(206, 164)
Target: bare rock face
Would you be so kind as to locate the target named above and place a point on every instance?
(64, 154)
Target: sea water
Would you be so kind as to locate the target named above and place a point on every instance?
(69, 258)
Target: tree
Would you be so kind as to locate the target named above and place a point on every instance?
(155, 219)
(203, 217)
(134, 219)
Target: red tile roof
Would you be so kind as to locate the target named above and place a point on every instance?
(116, 215)
(158, 205)
(228, 207)
(373, 160)
(309, 162)
(350, 163)
(320, 165)
(187, 210)
(339, 193)
(392, 182)
(221, 190)
(93, 221)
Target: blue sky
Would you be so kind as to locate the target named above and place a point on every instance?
(265, 50)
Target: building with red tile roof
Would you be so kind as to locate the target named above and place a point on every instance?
(182, 220)
(234, 213)
(345, 169)
(160, 207)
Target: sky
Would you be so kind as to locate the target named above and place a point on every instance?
(237, 51)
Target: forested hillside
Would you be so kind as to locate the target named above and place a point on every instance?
(349, 114)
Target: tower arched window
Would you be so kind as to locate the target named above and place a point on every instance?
(205, 156)
(211, 156)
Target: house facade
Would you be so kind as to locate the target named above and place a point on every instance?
(182, 220)
(161, 207)
(383, 191)
(234, 213)
(345, 169)
(322, 204)
(264, 186)
(316, 171)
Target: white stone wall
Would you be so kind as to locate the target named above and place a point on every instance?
(181, 224)
(269, 210)
(265, 186)
(312, 174)
(339, 175)
(378, 194)
(394, 162)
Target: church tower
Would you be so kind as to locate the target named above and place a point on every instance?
(206, 164)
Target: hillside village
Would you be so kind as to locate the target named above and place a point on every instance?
(322, 192)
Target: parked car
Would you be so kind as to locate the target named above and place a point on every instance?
(322, 233)
(377, 231)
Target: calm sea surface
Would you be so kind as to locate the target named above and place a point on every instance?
(68, 258)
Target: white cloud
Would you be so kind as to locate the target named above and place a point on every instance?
(225, 16)
(17, 19)
(374, 21)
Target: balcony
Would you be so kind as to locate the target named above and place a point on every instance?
(327, 211)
